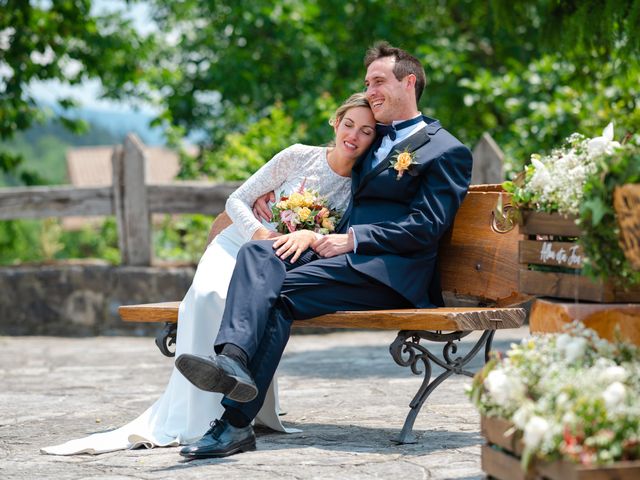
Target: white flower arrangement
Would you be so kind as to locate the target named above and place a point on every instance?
(555, 182)
(571, 395)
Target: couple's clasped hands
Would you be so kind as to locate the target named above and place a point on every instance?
(292, 245)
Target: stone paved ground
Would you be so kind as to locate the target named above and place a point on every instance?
(343, 389)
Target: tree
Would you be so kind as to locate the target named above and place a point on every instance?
(488, 69)
(600, 27)
(58, 40)
(61, 40)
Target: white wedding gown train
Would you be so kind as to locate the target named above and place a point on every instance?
(183, 413)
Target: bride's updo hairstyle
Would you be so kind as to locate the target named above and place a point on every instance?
(356, 100)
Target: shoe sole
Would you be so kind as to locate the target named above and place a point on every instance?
(243, 447)
(207, 376)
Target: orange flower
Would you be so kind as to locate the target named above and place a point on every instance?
(402, 163)
(328, 224)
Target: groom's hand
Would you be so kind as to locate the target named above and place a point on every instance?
(334, 244)
(260, 208)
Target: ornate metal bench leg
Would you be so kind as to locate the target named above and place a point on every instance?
(167, 338)
(487, 347)
(407, 351)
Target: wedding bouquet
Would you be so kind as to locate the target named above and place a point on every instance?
(572, 396)
(304, 210)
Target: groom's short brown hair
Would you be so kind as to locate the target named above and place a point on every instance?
(405, 64)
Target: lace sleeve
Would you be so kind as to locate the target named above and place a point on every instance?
(268, 178)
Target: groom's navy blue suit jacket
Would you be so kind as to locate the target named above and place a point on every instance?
(397, 223)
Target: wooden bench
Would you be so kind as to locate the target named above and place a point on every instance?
(478, 265)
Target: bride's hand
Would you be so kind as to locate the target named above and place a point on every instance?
(294, 244)
(261, 208)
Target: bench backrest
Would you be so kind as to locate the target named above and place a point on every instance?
(475, 260)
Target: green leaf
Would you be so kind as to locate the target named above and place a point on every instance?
(597, 208)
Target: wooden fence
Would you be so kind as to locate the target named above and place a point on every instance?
(132, 201)
(129, 199)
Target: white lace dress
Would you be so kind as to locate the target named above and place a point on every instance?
(183, 412)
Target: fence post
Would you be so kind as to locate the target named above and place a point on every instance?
(130, 202)
(487, 162)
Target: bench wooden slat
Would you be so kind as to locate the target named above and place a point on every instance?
(451, 318)
(150, 312)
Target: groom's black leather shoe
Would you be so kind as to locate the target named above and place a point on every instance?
(218, 374)
(221, 440)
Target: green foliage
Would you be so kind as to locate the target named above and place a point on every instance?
(60, 40)
(19, 241)
(600, 25)
(486, 68)
(535, 106)
(598, 221)
(182, 238)
(44, 148)
(91, 242)
(245, 56)
(29, 241)
(242, 153)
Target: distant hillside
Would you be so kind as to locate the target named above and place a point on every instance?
(44, 146)
(119, 123)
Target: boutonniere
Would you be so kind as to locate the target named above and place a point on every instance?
(402, 161)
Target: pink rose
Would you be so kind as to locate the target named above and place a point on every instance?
(290, 219)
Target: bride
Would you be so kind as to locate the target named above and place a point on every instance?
(183, 412)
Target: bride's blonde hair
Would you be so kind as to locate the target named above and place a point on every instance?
(356, 100)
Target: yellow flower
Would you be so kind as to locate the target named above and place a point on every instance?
(403, 162)
(296, 200)
(327, 223)
(309, 198)
(282, 205)
(304, 213)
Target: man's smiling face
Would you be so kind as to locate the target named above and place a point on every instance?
(390, 99)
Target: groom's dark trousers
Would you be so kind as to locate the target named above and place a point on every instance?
(258, 313)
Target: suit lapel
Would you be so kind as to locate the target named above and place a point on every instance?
(409, 144)
(362, 164)
(345, 217)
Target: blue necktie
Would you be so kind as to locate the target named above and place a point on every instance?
(391, 130)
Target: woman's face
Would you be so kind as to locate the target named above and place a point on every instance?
(355, 132)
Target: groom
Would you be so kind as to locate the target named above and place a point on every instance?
(405, 193)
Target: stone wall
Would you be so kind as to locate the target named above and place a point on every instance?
(81, 299)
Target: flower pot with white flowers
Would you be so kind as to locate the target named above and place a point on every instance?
(562, 406)
(574, 245)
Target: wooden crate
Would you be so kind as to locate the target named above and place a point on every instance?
(551, 259)
(501, 454)
(501, 460)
